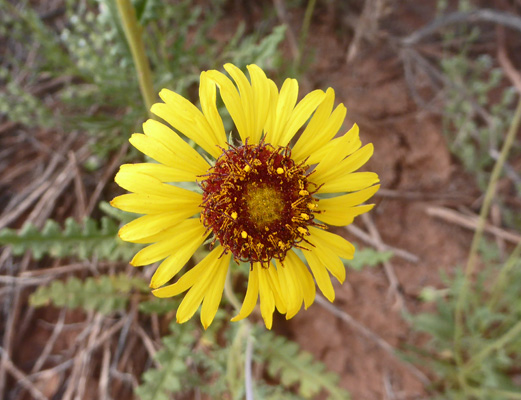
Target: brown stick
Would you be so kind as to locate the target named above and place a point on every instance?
(471, 222)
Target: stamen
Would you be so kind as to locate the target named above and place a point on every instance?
(268, 197)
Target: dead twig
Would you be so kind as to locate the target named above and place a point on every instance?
(471, 222)
(368, 239)
(103, 386)
(148, 342)
(504, 60)
(373, 337)
(51, 273)
(292, 39)
(394, 284)
(366, 26)
(109, 172)
(20, 377)
(50, 342)
(481, 15)
(79, 187)
(46, 204)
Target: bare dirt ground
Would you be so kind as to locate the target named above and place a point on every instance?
(417, 173)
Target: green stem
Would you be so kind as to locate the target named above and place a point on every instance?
(305, 29)
(133, 33)
(501, 281)
(513, 333)
(473, 256)
(228, 292)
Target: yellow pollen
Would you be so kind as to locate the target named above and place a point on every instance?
(304, 216)
(247, 168)
(264, 204)
(302, 230)
(244, 235)
(234, 215)
(280, 171)
(303, 192)
(312, 206)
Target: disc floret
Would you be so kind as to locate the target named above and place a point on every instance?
(258, 202)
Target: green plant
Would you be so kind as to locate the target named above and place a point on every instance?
(476, 333)
(477, 102)
(84, 240)
(491, 345)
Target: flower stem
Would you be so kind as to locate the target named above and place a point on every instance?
(248, 360)
(133, 33)
(228, 292)
(473, 255)
(304, 31)
(513, 333)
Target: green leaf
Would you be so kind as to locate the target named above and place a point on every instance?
(368, 257)
(286, 360)
(81, 240)
(105, 294)
(169, 379)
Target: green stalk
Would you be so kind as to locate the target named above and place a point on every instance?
(133, 33)
(502, 279)
(513, 333)
(228, 292)
(473, 256)
(305, 29)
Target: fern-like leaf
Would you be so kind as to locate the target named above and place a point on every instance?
(295, 366)
(161, 383)
(81, 240)
(368, 257)
(105, 294)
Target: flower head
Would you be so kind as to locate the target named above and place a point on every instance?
(260, 201)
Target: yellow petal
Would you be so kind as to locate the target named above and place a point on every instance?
(267, 301)
(189, 278)
(335, 243)
(320, 273)
(153, 148)
(321, 153)
(146, 184)
(195, 295)
(246, 95)
(152, 224)
(274, 281)
(349, 182)
(252, 293)
(232, 101)
(261, 101)
(343, 216)
(207, 95)
(346, 145)
(215, 291)
(149, 204)
(332, 262)
(307, 283)
(186, 232)
(160, 172)
(180, 255)
(348, 165)
(187, 119)
(287, 99)
(290, 287)
(321, 128)
(185, 156)
(271, 118)
(301, 114)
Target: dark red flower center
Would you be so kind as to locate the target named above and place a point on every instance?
(258, 202)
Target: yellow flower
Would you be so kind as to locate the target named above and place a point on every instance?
(258, 200)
